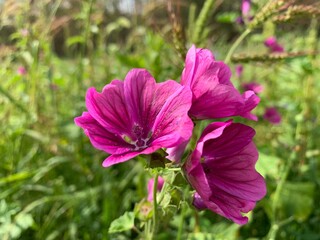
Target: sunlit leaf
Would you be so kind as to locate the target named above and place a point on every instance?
(268, 165)
(123, 223)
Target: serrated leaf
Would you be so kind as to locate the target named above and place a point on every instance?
(123, 223)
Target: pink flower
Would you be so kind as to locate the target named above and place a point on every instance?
(253, 86)
(24, 32)
(150, 187)
(273, 45)
(136, 116)
(222, 171)
(213, 94)
(272, 115)
(239, 70)
(245, 7)
(21, 71)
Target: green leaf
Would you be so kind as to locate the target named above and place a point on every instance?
(23, 220)
(296, 200)
(123, 223)
(267, 165)
(15, 177)
(75, 40)
(227, 17)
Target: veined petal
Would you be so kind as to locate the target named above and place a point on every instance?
(173, 124)
(219, 101)
(236, 174)
(100, 137)
(109, 108)
(162, 93)
(139, 88)
(197, 178)
(224, 161)
(234, 138)
(119, 158)
(213, 94)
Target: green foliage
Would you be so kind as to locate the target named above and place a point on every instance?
(52, 184)
(123, 223)
(296, 200)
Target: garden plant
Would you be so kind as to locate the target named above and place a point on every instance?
(138, 119)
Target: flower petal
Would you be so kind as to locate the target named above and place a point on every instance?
(198, 202)
(119, 158)
(216, 101)
(236, 174)
(100, 137)
(197, 62)
(214, 96)
(251, 100)
(173, 124)
(109, 108)
(175, 154)
(222, 170)
(234, 138)
(139, 88)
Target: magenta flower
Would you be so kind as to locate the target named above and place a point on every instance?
(272, 115)
(245, 7)
(253, 86)
(150, 187)
(222, 171)
(273, 45)
(239, 70)
(136, 116)
(213, 95)
(21, 71)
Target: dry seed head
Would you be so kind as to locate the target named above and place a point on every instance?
(296, 11)
(244, 58)
(268, 10)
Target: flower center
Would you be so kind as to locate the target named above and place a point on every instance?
(138, 140)
(140, 143)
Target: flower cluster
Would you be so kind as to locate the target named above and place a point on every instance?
(139, 116)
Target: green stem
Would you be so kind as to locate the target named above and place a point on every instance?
(236, 44)
(280, 186)
(275, 227)
(155, 205)
(182, 215)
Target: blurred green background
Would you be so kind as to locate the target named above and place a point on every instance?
(52, 184)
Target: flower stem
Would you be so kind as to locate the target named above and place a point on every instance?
(182, 215)
(236, 44)
(155, 205)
